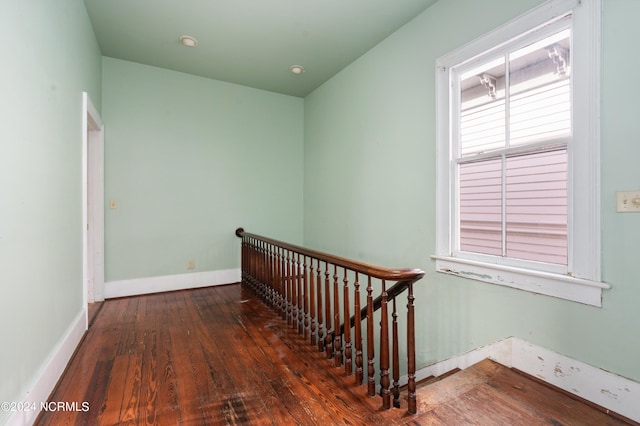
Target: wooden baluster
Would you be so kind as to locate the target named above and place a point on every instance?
(256, 276)
(411, 352)
(256, 268)
(396, 355)
(300, 296)
(285, 285)
(270, 275)
(327, 305)
(306, 291)
(265, 274)
(260, 272)
(276, 278)
(247, 263)
(274, 274)
(261, 279)
(247, 260)
(348, 360)
(250, 263)
(320, 309)
(337, 341)
(384, 350)
(294, 294)
(358, 331)
(281, 284)
(269, 270)
(260, 265)
(243, 260)
(289, 290)
(371, 369)
(312, 304)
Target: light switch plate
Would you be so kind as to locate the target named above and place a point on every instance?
(628, 201)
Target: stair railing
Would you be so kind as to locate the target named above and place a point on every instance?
(303, 286)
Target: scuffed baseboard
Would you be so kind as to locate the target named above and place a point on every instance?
(611, 391)
(608, 390)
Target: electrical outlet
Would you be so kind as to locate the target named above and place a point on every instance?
(113, 204)
(628, 201)
(191, 264)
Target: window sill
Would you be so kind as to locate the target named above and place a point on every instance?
(561, 286)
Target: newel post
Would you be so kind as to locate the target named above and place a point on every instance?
(243, 255)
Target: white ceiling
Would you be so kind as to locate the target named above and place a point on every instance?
(249, 42)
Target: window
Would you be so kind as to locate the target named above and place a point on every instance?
(518, 138)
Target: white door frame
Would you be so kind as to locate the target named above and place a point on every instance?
(92, 203)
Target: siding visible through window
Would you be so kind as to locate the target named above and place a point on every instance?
(518, 154)
(536, 207)
(514, 203)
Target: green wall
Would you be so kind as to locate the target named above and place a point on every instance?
(369, 183)
(49, 57)
(188, 160)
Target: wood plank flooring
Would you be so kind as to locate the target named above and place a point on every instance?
(491, 394)
(217, 356)
(93, 309)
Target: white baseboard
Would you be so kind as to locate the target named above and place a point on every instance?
(498, 351)
(49, 373)
(611, 391)
(137, 286)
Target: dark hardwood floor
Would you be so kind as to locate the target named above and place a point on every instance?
(217, 356)
(93, 309)
(488, 393)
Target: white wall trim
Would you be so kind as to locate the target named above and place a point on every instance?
(498, 351)
(584, 240)
(608, 390)
(540, 282)
(47, 378)
(137, 286)
(611, 391)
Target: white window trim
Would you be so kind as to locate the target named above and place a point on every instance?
(583, 283)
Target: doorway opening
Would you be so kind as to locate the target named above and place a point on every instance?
(92, 208)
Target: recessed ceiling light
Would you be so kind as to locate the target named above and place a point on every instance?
(296, 69)
(188, 41)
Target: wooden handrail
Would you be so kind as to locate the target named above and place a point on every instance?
(379, 272)
(304, 286)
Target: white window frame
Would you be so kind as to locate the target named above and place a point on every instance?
(582, 283)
